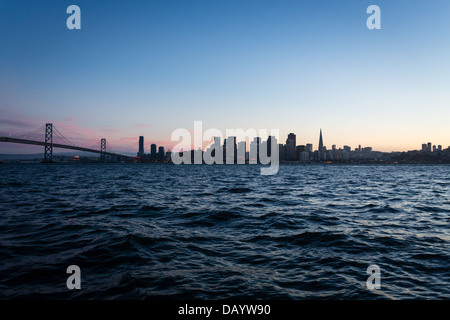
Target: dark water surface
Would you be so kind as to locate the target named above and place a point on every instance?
(206, 232)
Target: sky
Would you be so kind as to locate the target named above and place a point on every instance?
(150, 67)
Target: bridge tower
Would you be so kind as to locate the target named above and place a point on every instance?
(103, 150)
(48, 146)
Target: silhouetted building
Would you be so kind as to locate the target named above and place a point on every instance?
(153, 150)
(241, 152)
(282, 152)
(303, 156)
(161, 153)
(230, 150)
(320, 141)
(215, 146)
(271, 141)
(321, 151)
(299, 150)
(254, 150)
(141, 147)
(334, 153)
(316, 155)
(291, 143)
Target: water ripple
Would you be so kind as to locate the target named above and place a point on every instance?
(211, 232)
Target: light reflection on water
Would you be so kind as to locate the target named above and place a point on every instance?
(207, 232)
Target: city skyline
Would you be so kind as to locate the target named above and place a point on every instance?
(148, 68)
(291, 147)
(291, 140)
(290, 151)
(260, 150)
(199, 153)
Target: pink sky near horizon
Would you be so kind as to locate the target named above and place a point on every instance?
(117, 139)
(126, 139)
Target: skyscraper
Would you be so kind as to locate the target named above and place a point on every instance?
(320, 153)
(153, 150)
(291, 139)
(271, 143)
(241, 152)
(254, 150)
(216, 147)
(161, 153)
(291, 143)
(141, 147)
(309, 149)
(230, 150)
(333, 152)
(320, 141)
(282, 152)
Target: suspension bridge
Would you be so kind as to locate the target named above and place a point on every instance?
(49, 137)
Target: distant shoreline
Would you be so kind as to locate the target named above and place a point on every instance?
(27, 162)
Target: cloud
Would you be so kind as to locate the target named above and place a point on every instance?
(16, 123)
(13, 120)
(141, 126)
(13, 123)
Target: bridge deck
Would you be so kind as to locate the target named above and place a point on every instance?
(58, 145)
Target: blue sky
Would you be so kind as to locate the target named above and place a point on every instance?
(150, 67)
